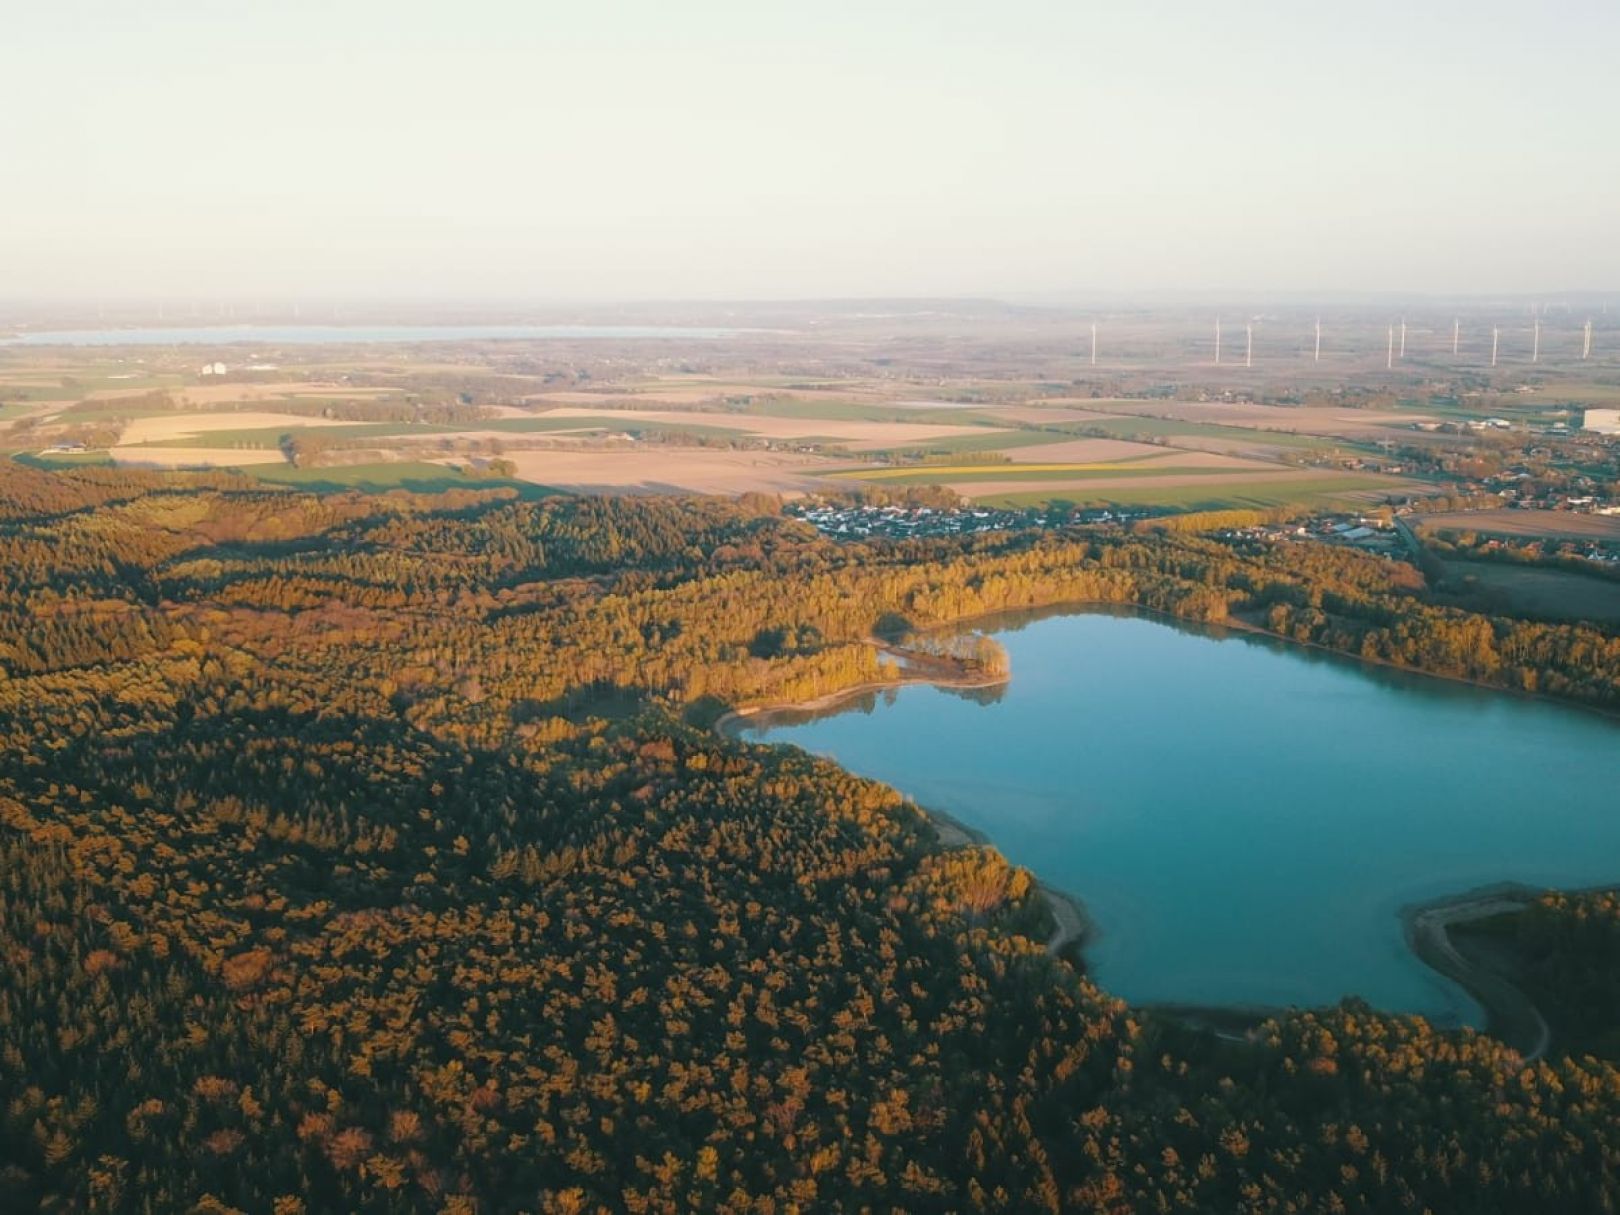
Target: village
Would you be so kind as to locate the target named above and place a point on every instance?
(863, 521)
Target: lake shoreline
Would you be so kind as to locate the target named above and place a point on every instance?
(1236, 624)
(944, 677)
(1510, 1015)
(1072, 923)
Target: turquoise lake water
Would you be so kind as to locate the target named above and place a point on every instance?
(316, 335)
(1244, 820)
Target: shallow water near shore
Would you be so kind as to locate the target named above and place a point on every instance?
(1243, 819)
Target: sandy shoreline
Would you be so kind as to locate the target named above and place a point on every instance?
(1509, 1013)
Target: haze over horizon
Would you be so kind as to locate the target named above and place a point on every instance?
(724, 150)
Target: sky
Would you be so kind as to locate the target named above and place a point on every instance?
(730, 149)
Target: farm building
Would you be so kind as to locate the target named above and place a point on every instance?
(1603, 421)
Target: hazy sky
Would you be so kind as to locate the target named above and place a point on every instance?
(711, 148)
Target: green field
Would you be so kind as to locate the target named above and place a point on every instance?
(858, 411)
(108, 411)
(1233, 495)
(625, 421)
(261, 438)
(79, 385)
(1542, 591)
(36, 394)
(966, 473)
(269, 437)
(416, 475)
(66, 459)
(832, 411)
(1005, 440)
(1124, 428)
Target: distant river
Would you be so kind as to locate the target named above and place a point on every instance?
(1243, 819)
(317, 335)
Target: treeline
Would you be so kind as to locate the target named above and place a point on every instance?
(377, 409)
(384, 872)
(1193, 522)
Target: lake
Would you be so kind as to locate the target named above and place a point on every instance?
(316, 335)
(1244, 820)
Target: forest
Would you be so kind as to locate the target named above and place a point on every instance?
(373, 853)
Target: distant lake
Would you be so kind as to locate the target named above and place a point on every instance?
(317, 335)
(1244, 820)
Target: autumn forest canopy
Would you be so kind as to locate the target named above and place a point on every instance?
(375, 853)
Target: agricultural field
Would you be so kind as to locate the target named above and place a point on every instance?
(1236, 435)
(1012, 417)
(1274, 419)
(853, 434)
(672, 435)
(1328, 491)
(157, 456)
(414, 475)
(1530, 524)
(668, 469)
(1529, 590)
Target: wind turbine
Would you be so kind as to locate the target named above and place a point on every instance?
(1535, 348)
(1456, 332)
(1093, 343)
(1217, 341)
(1318, 358)
(1403, 338)
(1496, 334)
(1248, 347)
(1586, 341)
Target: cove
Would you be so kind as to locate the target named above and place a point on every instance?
(1243, 819)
